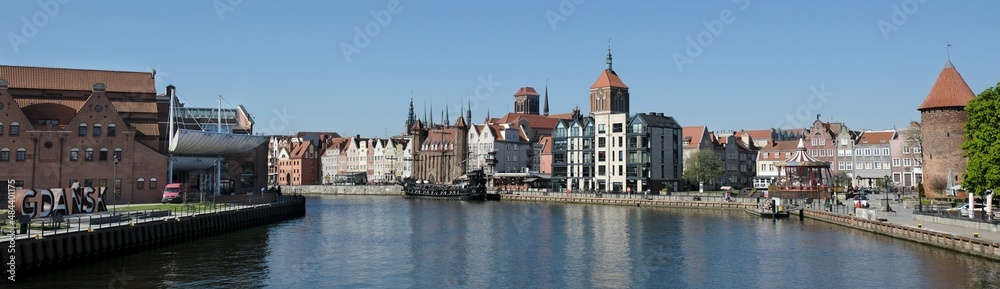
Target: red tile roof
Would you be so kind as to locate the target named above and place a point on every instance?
(546, 142)
(760, 134)
(526, 91)
(440, 137)
(26, 77)
(950, 90)
(782, 145)
(695, 133)
(877, 137)
(608, 78)
(562, 115)
(534, 121)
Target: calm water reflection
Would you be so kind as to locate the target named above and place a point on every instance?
(388, 242)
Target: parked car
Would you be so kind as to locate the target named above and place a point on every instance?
(861, 201)
(964, 209)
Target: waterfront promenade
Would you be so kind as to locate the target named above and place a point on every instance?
(900, 223)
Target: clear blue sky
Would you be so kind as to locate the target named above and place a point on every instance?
(277, 57)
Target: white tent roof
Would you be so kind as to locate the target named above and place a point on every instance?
(188, 163)
(195, 142)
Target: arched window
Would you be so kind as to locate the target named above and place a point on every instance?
(97, 129)
(103, 155)
(140, 183)
(112, 129)
(118, 154)
(15, 128)
(74, 154)
(152, 183)
(1, 128)
(5, 154)
(83, 129)
(89, 155)
(21, 155)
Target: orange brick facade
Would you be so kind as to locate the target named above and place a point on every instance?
(51, 144)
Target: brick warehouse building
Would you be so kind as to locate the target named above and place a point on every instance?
(943, 117)
(59, 126)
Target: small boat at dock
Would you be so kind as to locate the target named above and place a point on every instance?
(768, 213)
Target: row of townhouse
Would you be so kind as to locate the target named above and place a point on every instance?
(360, 160)
(864, 158)
(737, 150)
(310, 158)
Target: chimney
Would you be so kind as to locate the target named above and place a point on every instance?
(99, 87)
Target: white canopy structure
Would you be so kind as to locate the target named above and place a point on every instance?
(194, 142)
(192, 163)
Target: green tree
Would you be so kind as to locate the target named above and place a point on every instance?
(841, 179)
(703, 166)
(982, 142)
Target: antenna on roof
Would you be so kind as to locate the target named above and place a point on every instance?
(948, 48)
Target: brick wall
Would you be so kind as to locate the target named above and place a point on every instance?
(943, 133)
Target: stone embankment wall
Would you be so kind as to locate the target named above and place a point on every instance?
(343, 190)
(979, 247)
(57, 251)
(628, 202)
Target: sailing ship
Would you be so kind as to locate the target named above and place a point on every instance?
(472, 187)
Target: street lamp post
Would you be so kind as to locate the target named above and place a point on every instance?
(886, 180)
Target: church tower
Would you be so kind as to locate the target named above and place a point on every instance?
(609, 94)
(410, 118)
(526, 101)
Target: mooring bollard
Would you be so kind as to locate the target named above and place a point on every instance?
(920, 225)
(976, 234)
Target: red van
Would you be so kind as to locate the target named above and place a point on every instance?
(174, 193)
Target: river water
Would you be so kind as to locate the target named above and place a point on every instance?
(394, 242)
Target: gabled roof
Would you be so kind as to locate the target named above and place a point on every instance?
(26, 77)
(657, 120)
(608, 78)
(546, 142)
(695, 134)
(534, 121)
(950, 90)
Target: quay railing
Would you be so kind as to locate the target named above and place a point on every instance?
(25, 228)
